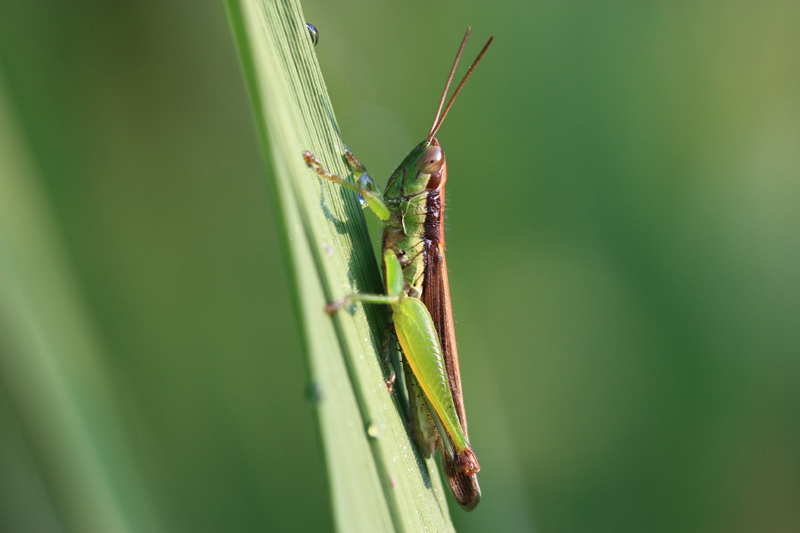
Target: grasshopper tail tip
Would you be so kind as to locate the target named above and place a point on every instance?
(467, 462)
(465, 489)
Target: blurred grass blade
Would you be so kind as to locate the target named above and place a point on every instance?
(57, 400)
(377, 481)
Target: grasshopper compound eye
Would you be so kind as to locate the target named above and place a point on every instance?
(431, 160)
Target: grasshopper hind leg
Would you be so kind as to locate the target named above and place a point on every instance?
(421, 424)
(388, 332)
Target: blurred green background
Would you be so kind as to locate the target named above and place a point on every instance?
(623, 239)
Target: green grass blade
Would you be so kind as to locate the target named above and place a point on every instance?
(377, 481)
(56, 398)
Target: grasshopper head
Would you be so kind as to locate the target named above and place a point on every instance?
(423, 169)
(431, 165)
(431, 159)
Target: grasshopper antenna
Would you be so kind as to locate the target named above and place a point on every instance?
(447, 85)
(437, 122)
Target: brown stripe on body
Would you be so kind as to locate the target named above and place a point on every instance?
(436, 297)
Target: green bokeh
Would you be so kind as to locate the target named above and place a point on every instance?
(623, 239)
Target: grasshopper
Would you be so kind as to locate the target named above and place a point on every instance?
(417, 289)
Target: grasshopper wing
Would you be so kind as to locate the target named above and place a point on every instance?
(436, 297)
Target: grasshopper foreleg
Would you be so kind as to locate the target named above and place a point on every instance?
(312, 161)
(358, 168)
(370, 194)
